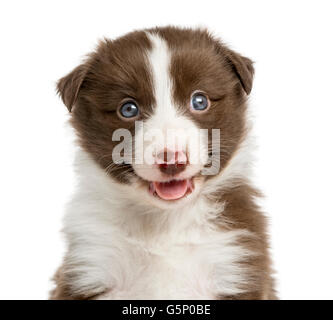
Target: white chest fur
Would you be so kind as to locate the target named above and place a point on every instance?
(179, 269)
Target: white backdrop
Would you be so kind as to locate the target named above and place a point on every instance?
(291, 43)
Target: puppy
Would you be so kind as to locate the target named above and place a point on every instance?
(162, 218)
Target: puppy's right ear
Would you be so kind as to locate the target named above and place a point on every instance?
(69, 86)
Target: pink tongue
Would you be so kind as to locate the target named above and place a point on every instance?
(171, 190)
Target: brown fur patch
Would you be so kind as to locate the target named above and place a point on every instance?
(242, 212)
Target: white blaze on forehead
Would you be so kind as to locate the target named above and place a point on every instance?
(166, 114)
(160, 58)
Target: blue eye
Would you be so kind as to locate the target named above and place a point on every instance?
(129, 110)
(199, 102)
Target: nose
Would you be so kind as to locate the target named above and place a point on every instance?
(171, 162)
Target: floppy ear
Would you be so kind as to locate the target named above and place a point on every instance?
(69, 86)
(243, 67)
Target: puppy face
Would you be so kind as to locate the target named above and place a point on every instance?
(169, 102)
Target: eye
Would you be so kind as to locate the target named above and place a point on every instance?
(129, 110)
(199, 101)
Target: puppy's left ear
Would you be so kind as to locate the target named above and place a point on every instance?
(69, 86)
(243, 67)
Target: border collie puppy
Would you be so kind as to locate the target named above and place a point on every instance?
(155, 217)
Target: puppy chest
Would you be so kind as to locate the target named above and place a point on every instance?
(177, 271)
(164, 273)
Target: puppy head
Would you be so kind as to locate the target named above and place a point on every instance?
(162, 109)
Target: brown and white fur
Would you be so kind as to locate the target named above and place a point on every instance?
(126, 243)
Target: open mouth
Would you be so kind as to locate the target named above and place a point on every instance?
(171, 190)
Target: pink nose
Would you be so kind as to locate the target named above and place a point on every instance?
(171, 162)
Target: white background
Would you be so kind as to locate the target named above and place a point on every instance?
(291, 43)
